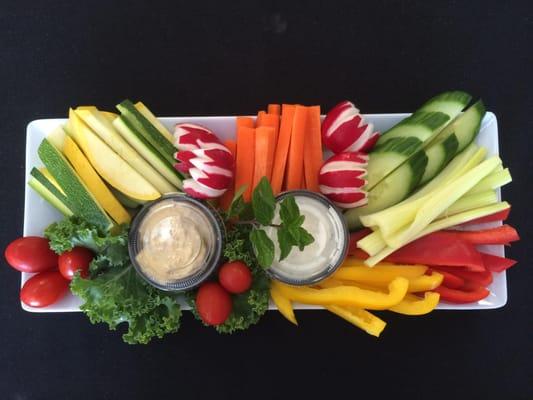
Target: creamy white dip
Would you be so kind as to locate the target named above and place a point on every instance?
(325, 225)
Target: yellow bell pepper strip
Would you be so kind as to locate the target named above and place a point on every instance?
(422, 283)
(348, 295)
(414, 305)
(425, 283)
(383, 274)
(360, 318)
(284, 304)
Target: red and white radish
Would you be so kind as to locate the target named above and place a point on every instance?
(209, 163)
(344, 129)
(342, 179)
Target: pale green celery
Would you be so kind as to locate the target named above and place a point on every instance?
(470, 202)
(441, 200)
(493, 181)
(441, 224)
(396, 217)
(374, 243)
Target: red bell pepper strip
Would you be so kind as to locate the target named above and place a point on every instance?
(500, 235)
(438, 248)
(480, 278)
(469, 294)
(498, 216)
(450, 280)
(495, 263)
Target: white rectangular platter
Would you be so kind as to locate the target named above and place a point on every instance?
(38, 214)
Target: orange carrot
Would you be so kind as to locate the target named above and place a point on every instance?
(259, 119)
(282, 147)
(274, 109)
(264, 141)
(244, 167)
(271, 120)
(225, 200)
(244, 121)
(312, 148)
(295, 159)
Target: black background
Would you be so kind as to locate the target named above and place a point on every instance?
(214, 58)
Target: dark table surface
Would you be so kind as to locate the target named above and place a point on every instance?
(209, 58)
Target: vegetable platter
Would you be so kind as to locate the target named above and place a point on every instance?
(269, 226)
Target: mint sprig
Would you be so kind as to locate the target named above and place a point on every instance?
(260, 213)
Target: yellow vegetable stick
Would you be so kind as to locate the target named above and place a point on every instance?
(348, 295)
(360, 318)
(284, 305)
(380, 273)
(414, 305)
(425, 282)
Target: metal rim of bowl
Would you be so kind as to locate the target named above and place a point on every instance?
(214, 259)
(332, 266)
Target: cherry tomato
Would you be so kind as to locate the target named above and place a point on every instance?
(31, 254)
(77, 259)
(44, 289)
(235, 277)
(213, 303)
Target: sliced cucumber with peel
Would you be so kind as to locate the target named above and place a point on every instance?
(452, 140)
(391, 190)
(450, 103)
(48, 191)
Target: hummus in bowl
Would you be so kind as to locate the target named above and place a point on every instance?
(176, 242)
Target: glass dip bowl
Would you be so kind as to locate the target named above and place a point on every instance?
(176, 242)
(322, 257)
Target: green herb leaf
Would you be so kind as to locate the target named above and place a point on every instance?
(285, 243)
(288, 210)
(305, 238)
(263, 247)
(263, 202)
(238, 204)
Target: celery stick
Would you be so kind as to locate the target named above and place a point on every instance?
(441, 200)
(444, 223)
(394, 218)
(493, 181)
(470, 202)
(373, 243)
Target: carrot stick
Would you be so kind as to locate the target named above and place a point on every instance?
(274, 109)
(282, 147)
(263, 153)
(313, 148)
(271, 120)
(295, 160)
(259, 119)
(225, 200)
(244, 167)
(244, 121)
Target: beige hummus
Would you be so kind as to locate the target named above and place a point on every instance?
(174, 239)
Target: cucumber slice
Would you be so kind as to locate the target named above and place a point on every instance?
(145, 149)
(439, 155)
(149, 131)
(81, 200)
(421, 125)
(386, 157)
(391, 190)
(450, 103)
(48, 191)
(465, 127)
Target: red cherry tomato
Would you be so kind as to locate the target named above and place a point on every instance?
(235, 277)
(44, 289)
(31, 254)
(213, 303)
(77, 259)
